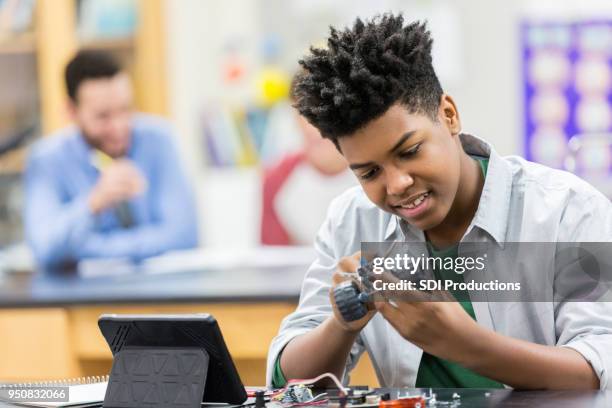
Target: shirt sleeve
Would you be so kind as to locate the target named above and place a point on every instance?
(314, 306)
(587, 326)
(54, 229)
(175, 221)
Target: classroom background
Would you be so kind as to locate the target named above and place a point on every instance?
(534, 78)
(220, 72)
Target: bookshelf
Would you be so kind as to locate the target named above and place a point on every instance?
(57, 40)
(112, 44)
(54, 38)
(20, 44)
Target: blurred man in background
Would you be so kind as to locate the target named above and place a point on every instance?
(298, 189)
(110, 186)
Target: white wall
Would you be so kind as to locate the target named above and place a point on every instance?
(489, 95)
(196, 34)
(487, 87)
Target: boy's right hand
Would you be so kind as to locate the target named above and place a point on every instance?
(347, 270)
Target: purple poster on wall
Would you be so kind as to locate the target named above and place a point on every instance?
(567, 71)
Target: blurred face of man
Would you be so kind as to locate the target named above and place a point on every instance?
(103, 111)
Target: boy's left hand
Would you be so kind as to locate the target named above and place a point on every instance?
(441, 328)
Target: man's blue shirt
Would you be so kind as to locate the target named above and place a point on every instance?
(59, 175)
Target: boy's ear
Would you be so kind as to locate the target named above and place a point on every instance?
(449, 114)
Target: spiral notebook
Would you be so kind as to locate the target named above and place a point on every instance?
(87, 392)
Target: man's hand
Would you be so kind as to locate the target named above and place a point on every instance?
(346, 270)
(326, 347)
(441, 328)
(445, 330)
(119, 181)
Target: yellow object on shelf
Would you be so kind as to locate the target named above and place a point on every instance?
(272, 85)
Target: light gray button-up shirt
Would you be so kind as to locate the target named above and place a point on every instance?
(520, 202)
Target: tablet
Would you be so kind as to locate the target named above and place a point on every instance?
(189, 331)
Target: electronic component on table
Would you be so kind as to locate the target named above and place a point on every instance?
(407, 402)
(298, 393)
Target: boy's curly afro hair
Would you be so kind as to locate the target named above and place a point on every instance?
(363, 72)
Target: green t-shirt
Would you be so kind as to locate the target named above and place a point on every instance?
(278, 378)
(439, 373)
(433, 371)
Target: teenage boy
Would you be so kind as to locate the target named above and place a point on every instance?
(375, 94)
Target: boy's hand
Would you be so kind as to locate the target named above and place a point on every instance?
(441, 328)
(347, 270)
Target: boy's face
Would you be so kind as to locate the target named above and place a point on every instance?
(408, 164)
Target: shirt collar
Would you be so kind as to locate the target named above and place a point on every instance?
(494, 206)
(85, 151)
(81, 148)
(391, 226)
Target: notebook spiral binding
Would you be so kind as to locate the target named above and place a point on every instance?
(60, 383)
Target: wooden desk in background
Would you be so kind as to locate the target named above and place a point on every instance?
(48, 322)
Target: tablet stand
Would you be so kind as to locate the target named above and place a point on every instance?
(157, 377)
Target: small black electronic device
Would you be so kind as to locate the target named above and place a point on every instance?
(351, 299)
(168, 361)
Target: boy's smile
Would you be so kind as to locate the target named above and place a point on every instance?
(413, 166)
